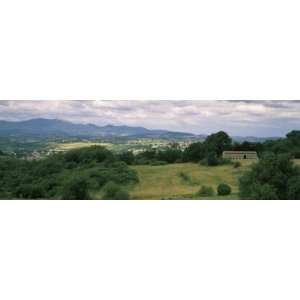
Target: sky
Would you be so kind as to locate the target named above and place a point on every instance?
(239, 118)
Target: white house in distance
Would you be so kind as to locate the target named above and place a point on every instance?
(239, 155)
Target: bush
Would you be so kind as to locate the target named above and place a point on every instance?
(212, 159)
(184, 176)
(76, 189)
(224, 189)
(127, 157)
(112, 191)
(273, 177)
(159, 163)
(29, 191)
(236, 164)
(205, 191)
(293, 188)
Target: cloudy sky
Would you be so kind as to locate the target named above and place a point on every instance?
(257, 118)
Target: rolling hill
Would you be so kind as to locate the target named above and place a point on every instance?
(54, 128)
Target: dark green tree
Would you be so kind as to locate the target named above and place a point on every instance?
(127, 157)
(293, 187)
(224, 189)
(194, 152)
(269, 178)
(76, 189)
(218, 142)
(112, 191)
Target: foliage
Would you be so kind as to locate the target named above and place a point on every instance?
(272, 177)
(210, 151)
(205, 191)
(293, 188)
(184, 176)
(127, 157)
(76, 189)
(187, 179)
(237, 164)
(218, 142)
(195, 152)
(224, 189)
(70, 175)
(158, 163)
(29, 191)
(212, 159)
(112, 191)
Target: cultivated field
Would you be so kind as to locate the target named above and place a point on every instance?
(165, 182)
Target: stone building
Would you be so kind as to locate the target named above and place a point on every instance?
(238, 155)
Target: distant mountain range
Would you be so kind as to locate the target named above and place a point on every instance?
(54, 128)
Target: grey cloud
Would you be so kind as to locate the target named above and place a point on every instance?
(237, 117)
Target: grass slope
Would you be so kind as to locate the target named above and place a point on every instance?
(164, 182)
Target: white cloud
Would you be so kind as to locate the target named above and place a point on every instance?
(237, 117)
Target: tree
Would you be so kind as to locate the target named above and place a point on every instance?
(127, 157)
(112, 191)
(294, 137)
(194, 152)
(212, 159)
(218, 142)
(270, 178)
(170, 155)
(293, 187)
(76, 189)
(29, 191)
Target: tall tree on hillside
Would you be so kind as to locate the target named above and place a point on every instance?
(294, 137)
(218, 142)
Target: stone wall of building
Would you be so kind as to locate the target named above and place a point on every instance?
(238, 155)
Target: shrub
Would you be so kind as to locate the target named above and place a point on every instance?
(184, 176)
(127, 157)
(112, 191)
(212, 159)
(236, 164)
(293, 188)
(142, 161)
(273, 177)
(224, 189)
(29, 191)
(76, 189)
(206, 191)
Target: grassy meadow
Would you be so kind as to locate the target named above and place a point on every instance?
(167, 182)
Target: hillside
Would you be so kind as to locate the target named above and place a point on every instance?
(53, 128)
(158, 182)
(164, 182)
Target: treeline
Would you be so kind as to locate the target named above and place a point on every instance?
(71, 175)
(274, 177)
(210, 151)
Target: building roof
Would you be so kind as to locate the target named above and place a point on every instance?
(239, 152)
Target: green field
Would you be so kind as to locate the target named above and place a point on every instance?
(164, 182)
